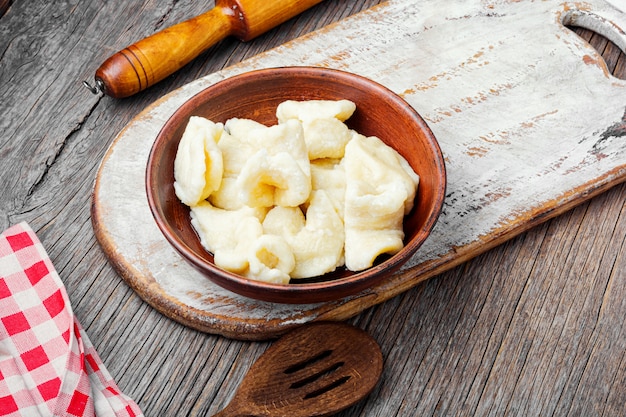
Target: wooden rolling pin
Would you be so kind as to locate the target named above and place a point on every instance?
(152, 59)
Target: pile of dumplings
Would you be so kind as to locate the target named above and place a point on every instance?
(297, 199)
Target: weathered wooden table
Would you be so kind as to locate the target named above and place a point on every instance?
(533, 326)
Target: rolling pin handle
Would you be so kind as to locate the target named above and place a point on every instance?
(152, 59)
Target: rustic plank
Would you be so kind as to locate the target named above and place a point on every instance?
(448, 339)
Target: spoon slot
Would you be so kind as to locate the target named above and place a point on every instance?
(312, 378)
(309, 361)
(327, 388)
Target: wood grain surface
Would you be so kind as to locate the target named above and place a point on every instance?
(533, 327)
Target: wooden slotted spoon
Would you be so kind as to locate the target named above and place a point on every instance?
(316, 370)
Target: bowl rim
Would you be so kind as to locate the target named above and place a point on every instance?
(314, 292)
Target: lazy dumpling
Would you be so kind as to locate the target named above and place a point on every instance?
(325, 132)
(198, 166)
(380, 190)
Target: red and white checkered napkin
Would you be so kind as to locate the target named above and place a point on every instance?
(48, 366)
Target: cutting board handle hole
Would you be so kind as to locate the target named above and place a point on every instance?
(603, 35)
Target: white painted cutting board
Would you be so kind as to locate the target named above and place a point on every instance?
(528, 118)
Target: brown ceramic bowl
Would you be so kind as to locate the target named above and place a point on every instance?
(255, 95)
